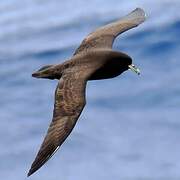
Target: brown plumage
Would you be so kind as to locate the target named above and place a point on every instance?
(94, 59)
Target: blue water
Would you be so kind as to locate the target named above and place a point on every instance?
(130, 128)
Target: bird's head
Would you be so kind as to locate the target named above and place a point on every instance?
(126, 63)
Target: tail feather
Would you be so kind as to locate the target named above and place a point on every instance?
(48, 72)
(45, 67)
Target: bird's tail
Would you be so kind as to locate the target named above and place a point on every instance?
(49, 72)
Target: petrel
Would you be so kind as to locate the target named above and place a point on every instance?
(93, 60)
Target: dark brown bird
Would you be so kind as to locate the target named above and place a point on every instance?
(93, 60)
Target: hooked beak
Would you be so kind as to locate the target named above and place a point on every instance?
(133, 68)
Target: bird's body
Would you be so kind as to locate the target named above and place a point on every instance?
(108, 65)
(93, 60)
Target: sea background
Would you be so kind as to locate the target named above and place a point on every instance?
(130, 127)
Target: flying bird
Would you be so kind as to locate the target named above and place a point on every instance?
(94, 59)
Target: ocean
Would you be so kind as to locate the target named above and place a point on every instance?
(130, 127)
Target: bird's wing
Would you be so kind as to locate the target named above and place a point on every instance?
(104, 36)
(69, 103)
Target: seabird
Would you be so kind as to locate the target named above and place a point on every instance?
(93, 60)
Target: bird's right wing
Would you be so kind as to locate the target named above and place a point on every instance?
(69, 103)
(104, 36)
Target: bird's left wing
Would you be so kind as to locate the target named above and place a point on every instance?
(104, 36)
(69, 103)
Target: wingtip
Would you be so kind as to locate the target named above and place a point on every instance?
(30, 173)
(141, 13)
(32, 170)
(137, 16)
